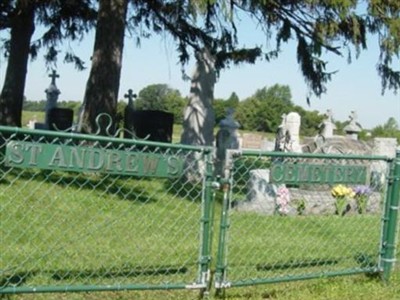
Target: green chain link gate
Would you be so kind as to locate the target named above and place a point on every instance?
(89, 213)
(284, 224)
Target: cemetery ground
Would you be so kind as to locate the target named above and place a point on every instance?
(85, 205)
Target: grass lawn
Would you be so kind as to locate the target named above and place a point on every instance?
(92, 229)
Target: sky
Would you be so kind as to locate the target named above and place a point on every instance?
(355, 87)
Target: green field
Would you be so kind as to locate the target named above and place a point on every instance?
(107, 230)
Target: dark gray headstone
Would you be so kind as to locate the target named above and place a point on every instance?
(60, 118)
(154, 125)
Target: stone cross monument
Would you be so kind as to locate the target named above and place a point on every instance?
(130, 96)
(327, 126)
(353, 128)
(128, 115)
(52, 93)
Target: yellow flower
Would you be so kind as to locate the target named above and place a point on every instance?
(342, 191)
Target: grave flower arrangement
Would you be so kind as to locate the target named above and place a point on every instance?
(361, 195)
(282, 200)
(342, 194)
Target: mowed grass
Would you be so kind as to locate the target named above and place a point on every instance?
(94, 229)
(97, 229)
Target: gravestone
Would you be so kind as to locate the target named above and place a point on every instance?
(260, 195)
(293, 122)
(252, 141)
(327, 126)
(55, 118)
(129, 131)
(353, 128)
(153, 125)
(227, 138)
(385, 147)
(52, 93)
(281, 137)
(288, 134)
(60, 119)
(32, 122)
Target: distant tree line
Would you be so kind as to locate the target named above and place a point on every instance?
(41, 105)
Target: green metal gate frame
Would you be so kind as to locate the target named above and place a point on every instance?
(386, 251)
(202, 282)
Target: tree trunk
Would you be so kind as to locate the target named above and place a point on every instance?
(101, 95)
(199, 116)
(12, 94)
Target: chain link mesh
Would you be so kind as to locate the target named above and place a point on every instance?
(93, 228)
(287, 230)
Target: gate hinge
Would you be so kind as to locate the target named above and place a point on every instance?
(216, 185)
(195, 286)
(389, 260)
(205, 259)
(222, 285)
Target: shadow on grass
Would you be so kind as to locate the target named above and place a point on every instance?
(297, 264)
(127, 188)
(185, 189)
(19, 278)
(363, 260)
(125, 272)
(123, 187)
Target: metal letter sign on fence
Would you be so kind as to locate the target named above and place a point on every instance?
(312, 173)
(89, 159)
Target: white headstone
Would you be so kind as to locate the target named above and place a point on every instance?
(385, 146)
(293, 122)
(379, 169)
(32, 122)
(261, 194)
(327, 126)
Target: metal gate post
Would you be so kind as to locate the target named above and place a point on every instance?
(220, 271)
(387, 258)
(206, 223)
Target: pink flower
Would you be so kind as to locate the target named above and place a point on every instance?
(283, 200)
